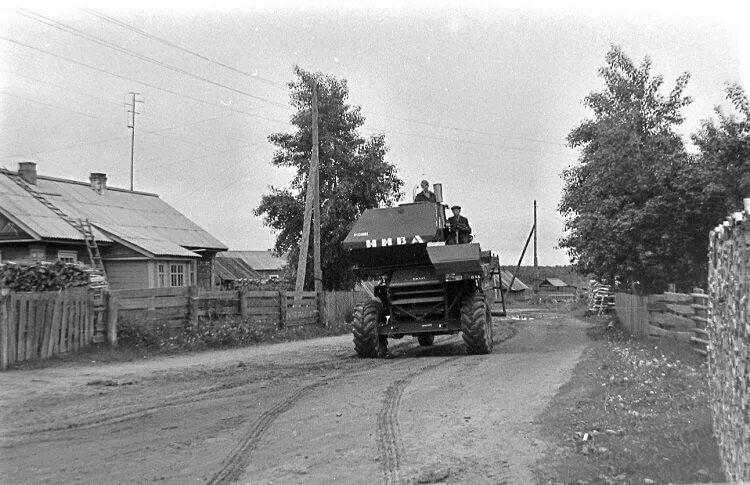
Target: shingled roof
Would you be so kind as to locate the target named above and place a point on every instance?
(139, 220)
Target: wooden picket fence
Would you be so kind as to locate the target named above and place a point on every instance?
(37, 325)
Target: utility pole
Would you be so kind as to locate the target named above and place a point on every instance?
(312, 208)
(536, 260)
(131, 125)
(317, 269)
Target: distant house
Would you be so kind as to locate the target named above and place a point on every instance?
(555, 288)
(230, 271)
(264, 263)
(143, 241)
(555, 285)
(517, 292)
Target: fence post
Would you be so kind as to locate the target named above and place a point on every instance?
(243, 302)
(193, 305)
(322, 317)
(282, 308)
(4, 329)
(112, 315)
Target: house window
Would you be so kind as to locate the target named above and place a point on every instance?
(67, 256)
(36, 254)
(161, 275)
(192, 274)
(176, 274)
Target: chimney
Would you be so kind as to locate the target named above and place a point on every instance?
(98, 182)
(27, 171)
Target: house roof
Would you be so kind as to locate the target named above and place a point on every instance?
(233, 269)
(137, 219)
(257, 260)
(556, 282)
(518, 285)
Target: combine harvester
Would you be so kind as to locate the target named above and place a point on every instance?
(425, 286)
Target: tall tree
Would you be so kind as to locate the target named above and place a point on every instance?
(354, 175)
(724, 147)
(625, 200)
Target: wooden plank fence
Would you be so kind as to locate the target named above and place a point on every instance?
(674, 315)
(179, 306)
(38, 325)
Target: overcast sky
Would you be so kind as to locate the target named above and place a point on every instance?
(478, 98)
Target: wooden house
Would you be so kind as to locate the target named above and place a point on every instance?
(519, 289)
(229, 272)
(557, 289)
(555, 285)
(264, 263)
(143, 241)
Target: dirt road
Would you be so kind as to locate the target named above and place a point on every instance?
(301, 412)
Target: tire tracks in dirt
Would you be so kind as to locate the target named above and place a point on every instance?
(237, 460)
(389, 433)
(114, 416)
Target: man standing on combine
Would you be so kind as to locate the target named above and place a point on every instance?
(426, 195)
(459, 231)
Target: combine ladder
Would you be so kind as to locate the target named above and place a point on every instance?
(98, 275)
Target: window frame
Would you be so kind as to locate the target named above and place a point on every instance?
(67, 256)
(176, 274)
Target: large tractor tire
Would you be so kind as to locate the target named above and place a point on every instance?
(367, 342)
(426, 339)
(476, 324)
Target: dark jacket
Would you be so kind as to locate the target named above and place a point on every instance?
(458, 225)
(421, 197)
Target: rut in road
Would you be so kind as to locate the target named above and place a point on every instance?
(236, 463)
(115, 415)
(389, 440)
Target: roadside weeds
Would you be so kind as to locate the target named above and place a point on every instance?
(635, 411)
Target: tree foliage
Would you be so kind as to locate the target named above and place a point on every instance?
(724, 147)
(628, 202)
(354, 175)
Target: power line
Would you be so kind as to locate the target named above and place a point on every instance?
(468, 130)
(107, 120)
(66, 88)
(96, 142)
(467, 142)
(154, 167)
(82, 113)
(236, 181)
(97, 40)
(109, 101)
(179, 47)
(142, 83)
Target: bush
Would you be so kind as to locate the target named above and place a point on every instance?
(206, 334)
(140, 336)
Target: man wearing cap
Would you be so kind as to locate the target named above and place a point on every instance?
(426, 195)
(459, 231)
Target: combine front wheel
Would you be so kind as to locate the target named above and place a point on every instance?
(367, 342)
(425, 339)
(476, 324)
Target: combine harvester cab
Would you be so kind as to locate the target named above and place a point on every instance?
(422, 286)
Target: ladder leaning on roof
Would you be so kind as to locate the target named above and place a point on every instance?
(98, 275)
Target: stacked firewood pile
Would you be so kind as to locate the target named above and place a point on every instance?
(43, 276)
(729, 335)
